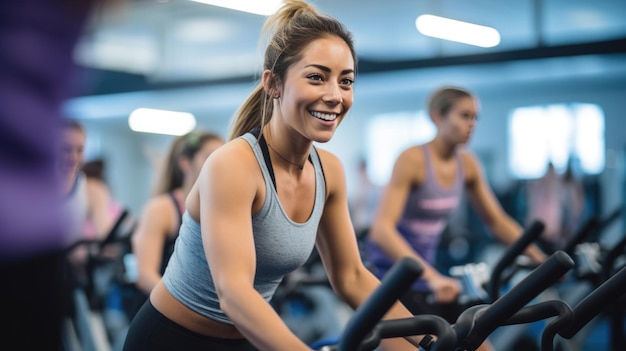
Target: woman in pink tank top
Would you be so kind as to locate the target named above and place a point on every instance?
(426, 184)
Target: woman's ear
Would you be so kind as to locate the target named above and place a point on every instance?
(436, 117)
(270, 85)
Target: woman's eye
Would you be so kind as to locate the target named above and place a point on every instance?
(315, 77)
(347, 81)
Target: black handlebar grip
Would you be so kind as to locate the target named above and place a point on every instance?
(609, 260)
(506, 306)
(583, 233)
(530, 234)
(597, 301)
(112, 235)
(606, 222)
(542, 310)
(393, 285)
(424, 324)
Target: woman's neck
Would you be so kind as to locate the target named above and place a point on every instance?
(289, 153)
(443, 149)
(68, 182)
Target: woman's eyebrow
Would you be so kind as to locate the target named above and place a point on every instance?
(326, 69)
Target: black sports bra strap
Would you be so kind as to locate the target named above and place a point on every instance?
(266, 154)
(178, 209)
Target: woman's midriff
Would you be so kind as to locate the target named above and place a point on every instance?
(171, 308)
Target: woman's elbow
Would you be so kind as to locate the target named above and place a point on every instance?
(226, 304)
(347, 286)
(231, 300)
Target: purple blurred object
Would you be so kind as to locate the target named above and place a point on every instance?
(37, 39)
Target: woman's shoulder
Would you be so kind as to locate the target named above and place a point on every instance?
(96, 188)
(468, 157)
(235, 155)
(327, 158)
(159, 204)
(415, 152)
(236, 145)
(471, 165)
(234, 166)
(333, 169)
(411, 158)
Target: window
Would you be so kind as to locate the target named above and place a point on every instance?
(556, 133)
(389, 134)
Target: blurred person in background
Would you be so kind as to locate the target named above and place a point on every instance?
(574, 210)
(363, 205)
(546, 203)
(98, 191)
(425, 189)
(89, 209)
(154, 237)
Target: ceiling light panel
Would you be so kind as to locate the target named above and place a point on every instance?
(458, 31)
(263, 8)
(148, 120)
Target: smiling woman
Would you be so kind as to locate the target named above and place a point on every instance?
(263, 201)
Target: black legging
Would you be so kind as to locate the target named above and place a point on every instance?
(33, 302)
(150, 330)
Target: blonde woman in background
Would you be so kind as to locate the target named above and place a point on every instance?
(157, 229)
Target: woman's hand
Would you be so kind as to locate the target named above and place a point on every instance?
(445, 289)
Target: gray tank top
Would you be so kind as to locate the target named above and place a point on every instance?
(281, 245)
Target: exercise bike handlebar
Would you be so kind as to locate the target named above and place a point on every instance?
(112, 236)
(543, 310)
(397, 280)
(607, 221)
(597, 301)
(530, 234)
(484, 320)
(609, 261)
(420, 324)
(582, 234)
(591, 229)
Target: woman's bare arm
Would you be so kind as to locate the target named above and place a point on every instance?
(228, 185)
(148, 240)
(339, 252)
(503, 226)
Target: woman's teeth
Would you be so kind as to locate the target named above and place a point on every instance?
(324, 116)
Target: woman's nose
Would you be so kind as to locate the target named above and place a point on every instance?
(333, 94)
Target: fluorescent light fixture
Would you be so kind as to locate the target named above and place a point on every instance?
(127, 53)
(462, 32)
(149, 120)
(263, 8)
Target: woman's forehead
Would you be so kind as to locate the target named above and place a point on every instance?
(331, 52)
